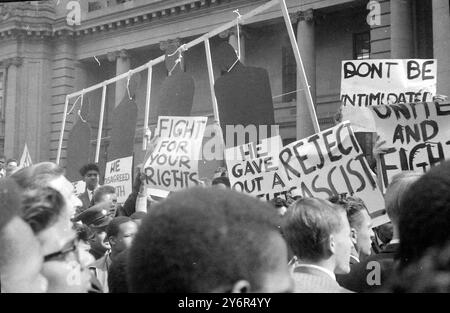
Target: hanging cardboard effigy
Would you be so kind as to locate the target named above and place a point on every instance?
(176, 93)
(243, 95)
(173, 163)
(417, 135)
(123, 123)
(390, 81)
(79, 143)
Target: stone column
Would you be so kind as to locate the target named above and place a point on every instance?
(232, 35)
(402, 41)
(11, 126)
(123, 64)
(441, 44)
(306, 45)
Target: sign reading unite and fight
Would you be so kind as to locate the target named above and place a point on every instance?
(173, 164)
(390, 81)
(417, 135)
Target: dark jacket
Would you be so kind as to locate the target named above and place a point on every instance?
(364, 276)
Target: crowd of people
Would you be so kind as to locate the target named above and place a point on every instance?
(213, 239)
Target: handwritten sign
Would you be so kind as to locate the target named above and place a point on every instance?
(79, 187)
(417, 135)
(253, 168)
(173, 164)
(323, 165)
(391, 81)
(118, 174)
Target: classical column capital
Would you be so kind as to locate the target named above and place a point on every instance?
(123, 54)
(16, 61)
(233, 32)
(113, 55)
(307, 16)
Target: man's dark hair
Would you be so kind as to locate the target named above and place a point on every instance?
(101, 191)
(396, 191)
(113, 227)
(425, 214)
(138, 215)
(89, 167)
(354, 206)
(430, 274)
(309, 222)
(37, 175)
(117, 274)
(42, 207)
(221, 180)
(201, 239)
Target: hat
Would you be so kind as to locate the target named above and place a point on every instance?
(95, 216)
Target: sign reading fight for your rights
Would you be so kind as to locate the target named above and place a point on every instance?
(173, 164)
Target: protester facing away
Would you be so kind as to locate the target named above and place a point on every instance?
(120, 233)
(117, 274)
(21, 258)
(91, 174)
(137, 217)
(319, 234)
(65, 264)
(361, 277)
(209, 240)
(424, 220)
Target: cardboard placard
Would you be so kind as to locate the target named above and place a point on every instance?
(118, 173)
(390, 81)
(417, 135)
(173, 164)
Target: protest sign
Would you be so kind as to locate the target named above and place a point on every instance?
(118, 173)
(417, 135)
(330, 163)
(79, 187)
(323, 165)
(390, 81)
(173, 164)
(253, 168)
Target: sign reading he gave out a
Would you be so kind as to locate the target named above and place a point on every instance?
(325, 164)
(390, 81)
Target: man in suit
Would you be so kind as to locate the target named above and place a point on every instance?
(318, 233)
(90, 173)
(373, 272)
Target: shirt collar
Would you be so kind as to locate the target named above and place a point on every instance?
(320, 268)
(354, 258)
(394, 241)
